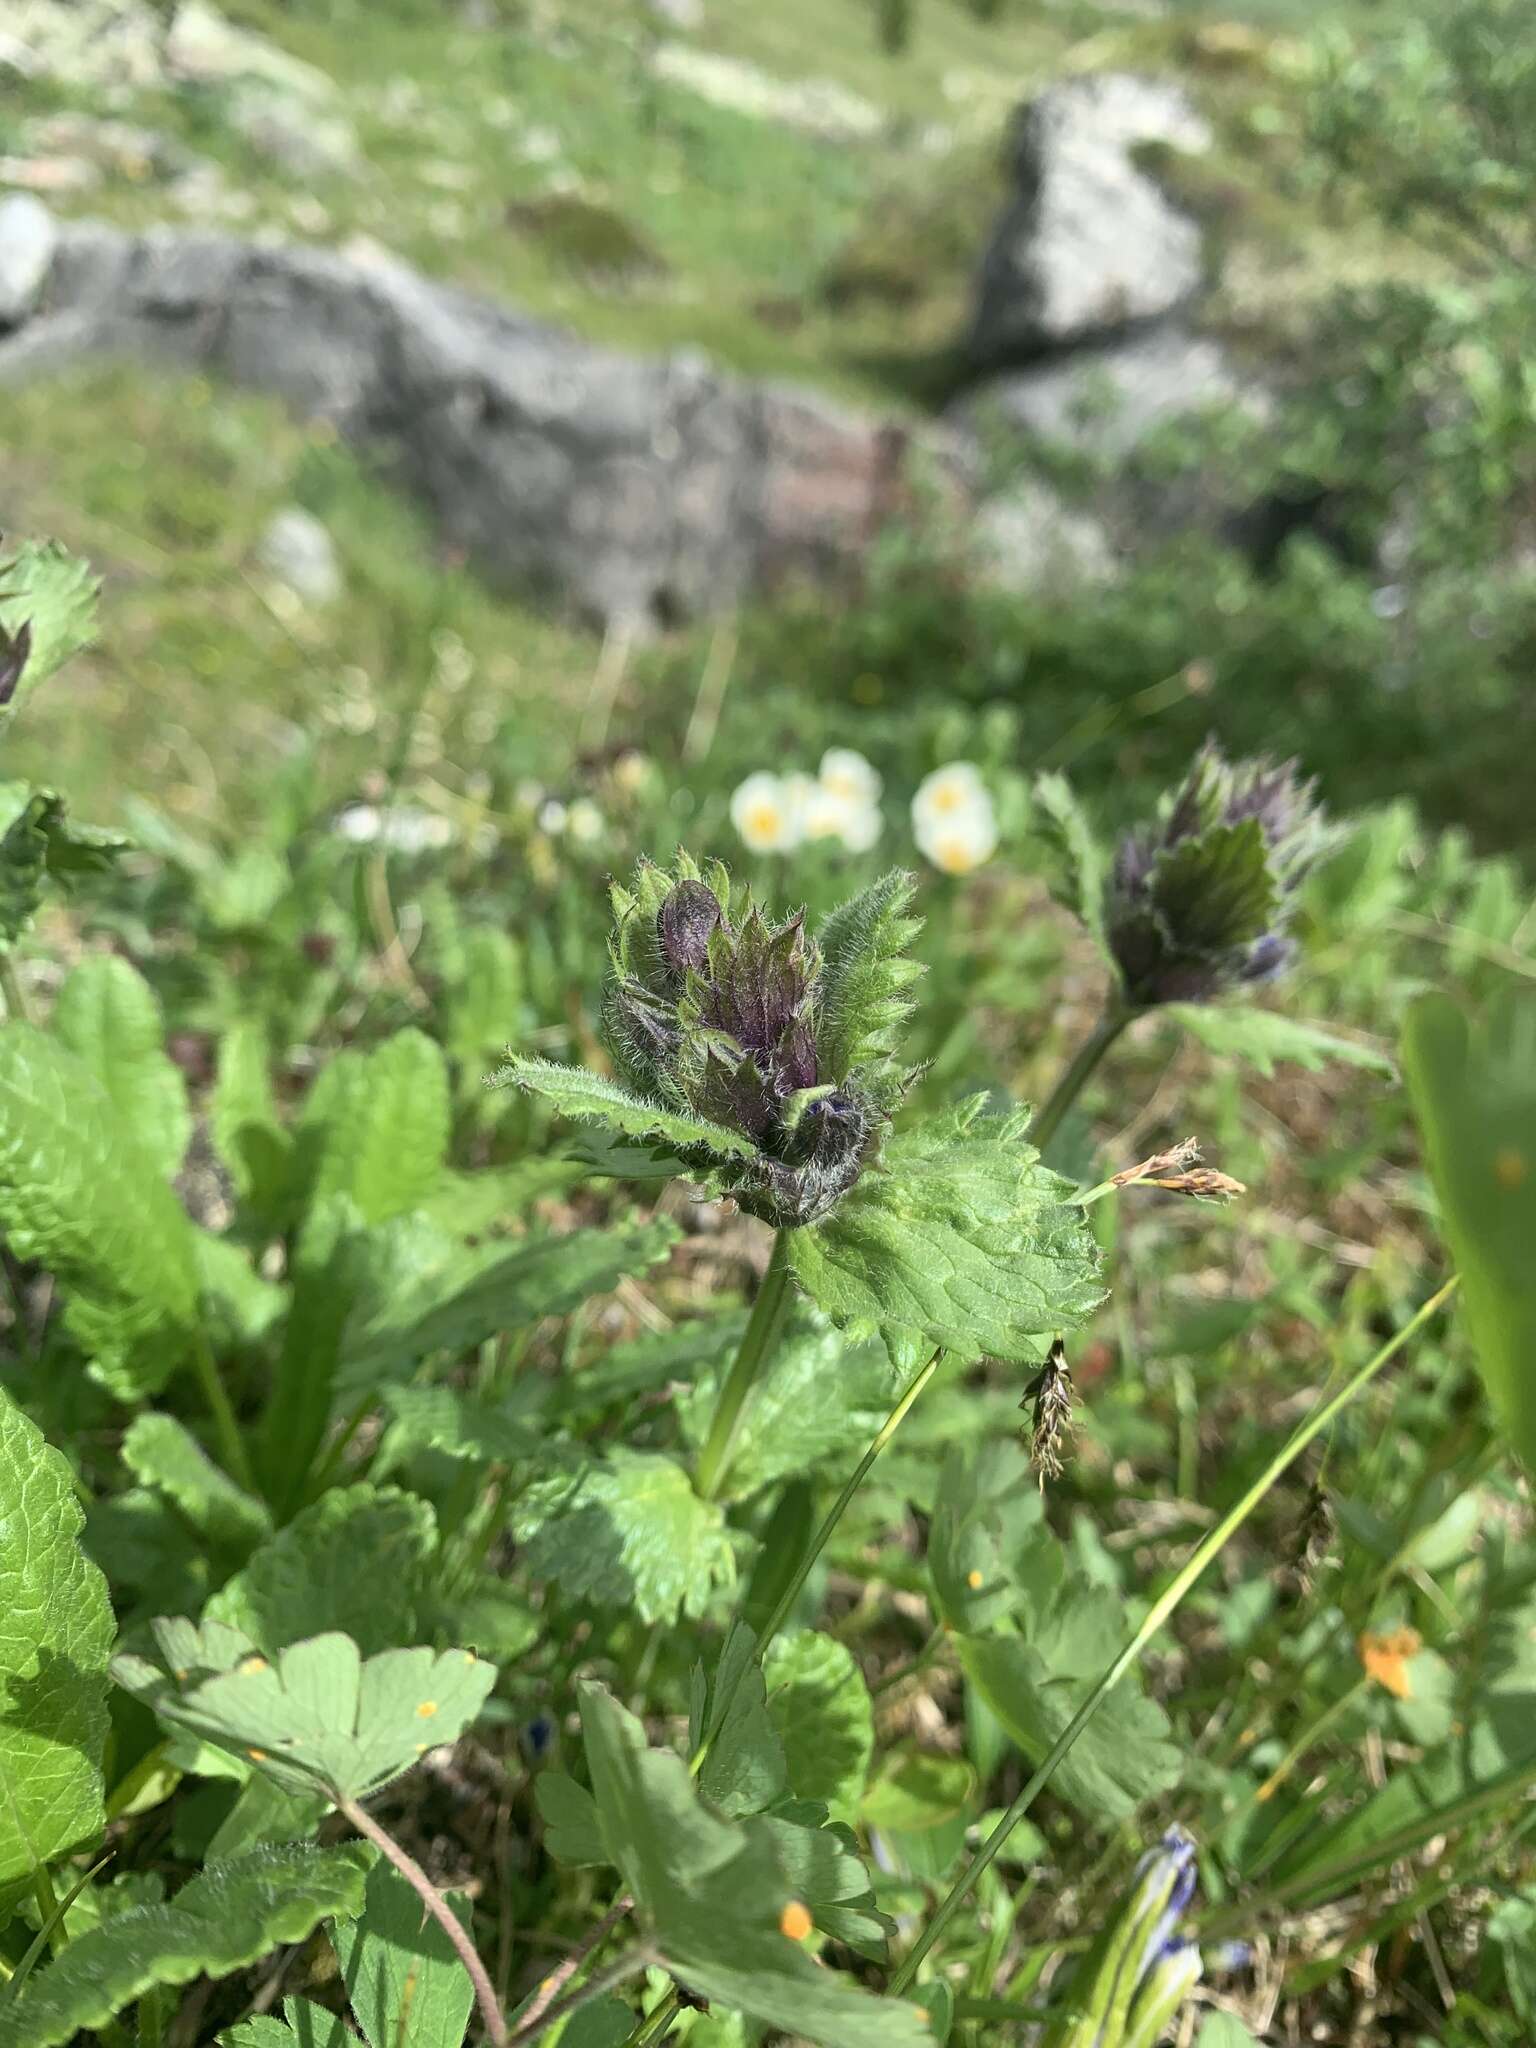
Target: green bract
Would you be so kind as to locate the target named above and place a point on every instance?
(769, 1064)
(765, 1058)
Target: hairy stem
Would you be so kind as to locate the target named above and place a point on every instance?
(563, 1972)
(1093, 1048)
(758, 1343)
(441, 1911)
(231, 1443)
(1159, 1612)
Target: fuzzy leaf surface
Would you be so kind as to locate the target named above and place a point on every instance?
(863, 999)
(107, 1015)
(164, 1455)
(959, 1237)
(356, 1560)
(626, 1530)
(56, 1630)
(53, 593)
(229, 1916)
(79, 1195)
(593, 1098)
(1061, 821)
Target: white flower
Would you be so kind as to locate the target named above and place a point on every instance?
(862, 827)
(358, 822)
(953, 821)
(848, 775)
(766, 813)
(412, 831)
(585, 821)
(553, 817)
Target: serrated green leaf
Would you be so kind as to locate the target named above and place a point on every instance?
(1473, 1085)
(247, 1131)
(40, 842)
(959, 1237)
(309, 2026)
(821, 1708)
(593, 1098)
(827, 1875)
(379, 1123)
(1123, 1756)
(823, 1392)
(404, 1981)
(743, 1769)
(443, 1419)
(1061, 820)
(713, 1894)
(862, 998)
(571, 1830)
(318, 1715)
(226, 1918)
(240, 1309)
(56, 1632)
(53, 594)
(627, 1530)
(79, 1195)
(107, 1015)
(356, 1560)
(1264, 1038)
(165, 1455)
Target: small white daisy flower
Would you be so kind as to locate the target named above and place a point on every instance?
(862, 827)
(848, 775)
(360, 823)
(953, 820)
(553, 817)
(764, 812)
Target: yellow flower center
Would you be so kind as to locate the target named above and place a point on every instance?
(762, 821)
(954, 854)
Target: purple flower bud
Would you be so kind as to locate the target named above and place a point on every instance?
(684, 923)
(1202, 903)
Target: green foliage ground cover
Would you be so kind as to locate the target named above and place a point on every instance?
(387, 1456)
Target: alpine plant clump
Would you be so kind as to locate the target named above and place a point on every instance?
(770, 1053)
(1202, 903)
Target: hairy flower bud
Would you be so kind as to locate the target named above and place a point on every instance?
(715, 1010)
(1202, 903)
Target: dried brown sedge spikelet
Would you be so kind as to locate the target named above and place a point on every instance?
(1051, 1397)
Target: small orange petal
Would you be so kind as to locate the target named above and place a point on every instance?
(1385, 1658)
(795, 1921)
(426, 1710)
(257, 1756)
(974, 1581)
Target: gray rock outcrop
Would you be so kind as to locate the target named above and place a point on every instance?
(1104, 402)
(630, 490)
(1088, 245)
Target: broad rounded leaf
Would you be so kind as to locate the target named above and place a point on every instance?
(317, 1716)
(820, 1705)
